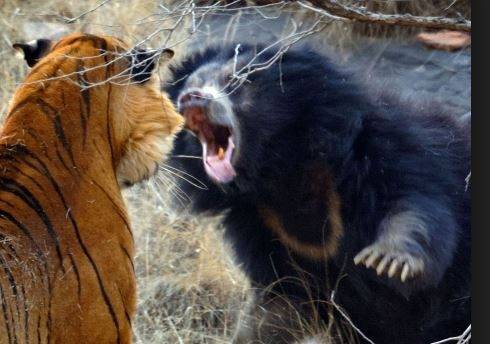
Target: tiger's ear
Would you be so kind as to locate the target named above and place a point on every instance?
(34, 50)
(166, 55)
(143, 63)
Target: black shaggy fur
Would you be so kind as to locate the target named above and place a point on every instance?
(321, 153)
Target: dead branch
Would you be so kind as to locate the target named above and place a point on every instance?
(334, 9)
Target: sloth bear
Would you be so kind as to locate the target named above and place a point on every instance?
(329, 186)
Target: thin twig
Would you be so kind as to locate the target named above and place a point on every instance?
(74, 19)
(346, 317)
(461, 339)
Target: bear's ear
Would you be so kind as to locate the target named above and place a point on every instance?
(143, 63)
(34, 50)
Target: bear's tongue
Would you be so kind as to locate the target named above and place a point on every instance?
(217, 161)
(217, 144)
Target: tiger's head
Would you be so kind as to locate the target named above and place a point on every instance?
(108, 96)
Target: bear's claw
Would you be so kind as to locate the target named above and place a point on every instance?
(390, 260)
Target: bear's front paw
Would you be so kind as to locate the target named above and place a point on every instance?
(387, 258)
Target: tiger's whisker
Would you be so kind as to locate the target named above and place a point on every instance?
(184, 176)
(187, 157)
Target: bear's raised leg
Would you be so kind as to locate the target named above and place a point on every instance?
(414, 245)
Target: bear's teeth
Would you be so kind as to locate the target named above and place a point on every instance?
(221, 153)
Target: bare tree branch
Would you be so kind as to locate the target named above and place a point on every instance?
(334, 9)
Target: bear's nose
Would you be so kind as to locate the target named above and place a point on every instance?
(193, 98)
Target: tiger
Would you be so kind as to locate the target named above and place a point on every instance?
(88, 120)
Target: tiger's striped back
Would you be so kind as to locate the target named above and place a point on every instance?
(78, 128)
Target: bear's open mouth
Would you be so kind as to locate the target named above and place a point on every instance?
(216, 140)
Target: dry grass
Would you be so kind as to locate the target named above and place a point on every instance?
(189, 289)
